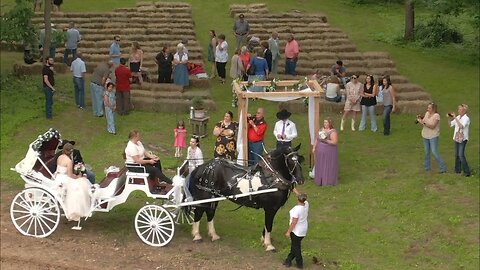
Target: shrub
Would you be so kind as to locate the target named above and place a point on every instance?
(435, 32)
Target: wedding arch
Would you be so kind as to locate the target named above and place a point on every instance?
(279, 91)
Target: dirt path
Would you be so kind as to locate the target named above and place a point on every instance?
(88, 249)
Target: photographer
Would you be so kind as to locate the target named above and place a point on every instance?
(430, 134)
(461, 122)
(256, 133)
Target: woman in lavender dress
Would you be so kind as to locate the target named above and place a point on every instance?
(326, 155)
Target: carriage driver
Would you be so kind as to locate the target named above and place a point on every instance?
(135, 153)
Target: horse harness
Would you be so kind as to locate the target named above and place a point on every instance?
(207, 179)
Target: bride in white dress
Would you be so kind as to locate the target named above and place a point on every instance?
(77, 198)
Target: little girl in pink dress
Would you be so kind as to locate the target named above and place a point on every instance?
(180, 134)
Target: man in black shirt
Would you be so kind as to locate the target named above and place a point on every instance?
(48, 83)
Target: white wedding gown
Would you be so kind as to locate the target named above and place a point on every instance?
(77, 198)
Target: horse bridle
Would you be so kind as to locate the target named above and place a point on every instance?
(296, 163)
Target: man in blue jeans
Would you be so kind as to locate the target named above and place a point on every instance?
(48, 86)
(79, 69)
(256, 133)
(73, 38)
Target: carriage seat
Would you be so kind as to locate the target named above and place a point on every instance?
(113, 183)
(44, 169)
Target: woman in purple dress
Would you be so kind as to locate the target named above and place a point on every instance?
(326, 155)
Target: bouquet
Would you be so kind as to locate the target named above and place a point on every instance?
(79, 169)
(322, 134)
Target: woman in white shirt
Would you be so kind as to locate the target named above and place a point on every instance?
(221, 57)
(297, 230)
(194, 154)
(135, 153)
(461, 122)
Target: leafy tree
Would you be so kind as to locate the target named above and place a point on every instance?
(16, 26)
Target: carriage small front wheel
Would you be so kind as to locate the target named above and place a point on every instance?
(154, 225)
(181, 214)
(35, 212)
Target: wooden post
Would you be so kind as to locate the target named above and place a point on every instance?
(243, 96)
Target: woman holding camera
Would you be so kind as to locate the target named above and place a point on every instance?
(226, 133)
(430, 134)
(461, 122)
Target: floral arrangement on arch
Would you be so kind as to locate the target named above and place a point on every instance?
(273, 87)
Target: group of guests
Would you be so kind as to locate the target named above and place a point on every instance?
(363, 97)
(250, 63)
(431, 132)
(226, 132)
(171, 67)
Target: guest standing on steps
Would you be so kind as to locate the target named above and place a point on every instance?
(221, 57)
(124, 77)
(273, 45)
(73, 38)
(79, 69)
(164, 61)
(136, 61)
(211, 53)
(180, 72)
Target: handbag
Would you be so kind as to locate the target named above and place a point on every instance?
(251, 70)
(459, 136)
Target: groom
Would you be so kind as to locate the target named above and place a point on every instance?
(76, 159)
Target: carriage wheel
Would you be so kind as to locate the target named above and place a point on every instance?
(35, 212)
(181, 215)
(154, 225)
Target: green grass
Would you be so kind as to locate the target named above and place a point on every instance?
(386, 213)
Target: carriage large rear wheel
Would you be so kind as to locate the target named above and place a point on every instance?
(154, 225)
(35, 212)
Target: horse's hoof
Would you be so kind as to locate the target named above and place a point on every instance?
(271, 248)
(197, 239)
(215, 238)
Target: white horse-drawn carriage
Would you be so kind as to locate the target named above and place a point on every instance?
(37, 209)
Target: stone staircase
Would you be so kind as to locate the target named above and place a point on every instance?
(153, 25)
(321, 45)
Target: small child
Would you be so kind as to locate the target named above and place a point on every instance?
(110, 105)
(180, 134)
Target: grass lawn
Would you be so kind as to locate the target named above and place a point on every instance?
(386, 213)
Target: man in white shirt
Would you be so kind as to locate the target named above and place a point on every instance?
(285, 130)
(79, 69)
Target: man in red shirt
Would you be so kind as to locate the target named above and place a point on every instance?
(256, 132)
(124, 77)
(291, 55)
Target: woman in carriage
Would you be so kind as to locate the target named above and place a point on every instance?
(77, 198)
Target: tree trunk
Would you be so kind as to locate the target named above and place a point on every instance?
(48, 28)
(409, 20)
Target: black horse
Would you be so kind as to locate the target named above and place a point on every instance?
(279, 169)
